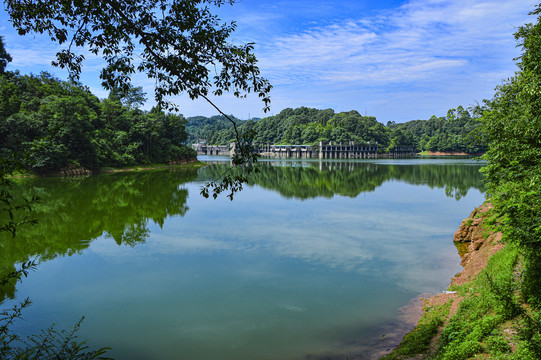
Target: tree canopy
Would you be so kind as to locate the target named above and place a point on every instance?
(179, 44)
(5, 57)
(50, 124)
(512, 125)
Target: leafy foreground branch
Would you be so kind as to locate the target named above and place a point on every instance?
(49, 344)
(244, 163)
(180, 45)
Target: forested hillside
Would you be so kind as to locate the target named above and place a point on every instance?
(458, 131)
(455, 132)
(213, 129)
(55, 124)
(50, 124)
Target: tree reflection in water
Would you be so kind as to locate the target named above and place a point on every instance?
(74, 211)
(310, 179)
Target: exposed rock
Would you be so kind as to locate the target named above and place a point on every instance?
(469, 230)
(183, 161)
(483, 243)
(74, 170)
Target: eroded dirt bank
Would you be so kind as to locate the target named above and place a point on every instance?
(476, 244)
(480, 243)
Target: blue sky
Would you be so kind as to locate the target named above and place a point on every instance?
(396, 60)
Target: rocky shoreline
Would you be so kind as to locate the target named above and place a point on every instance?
(476, 244)
(481, 245)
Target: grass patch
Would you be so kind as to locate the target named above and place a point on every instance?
(491, 322)
(490, 305)
(418, 340)
(21, 174)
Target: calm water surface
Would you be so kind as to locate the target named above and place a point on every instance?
(308, 261)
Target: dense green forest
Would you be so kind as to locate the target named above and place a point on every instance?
(209, 128)
(49, 124)
(458, 131)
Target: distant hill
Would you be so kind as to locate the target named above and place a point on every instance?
(213, 129)
(309, 126)
(458, 132)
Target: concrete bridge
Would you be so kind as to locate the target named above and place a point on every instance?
(323, 151)
(212, 149)
(349, 151)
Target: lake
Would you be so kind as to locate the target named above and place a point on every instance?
(312, 260)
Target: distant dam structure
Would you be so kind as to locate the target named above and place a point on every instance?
(332, 150)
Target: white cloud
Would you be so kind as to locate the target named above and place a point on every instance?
(31, 57)
(403, 63)
(423, 39)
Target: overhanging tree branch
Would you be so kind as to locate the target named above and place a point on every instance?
(178, 47)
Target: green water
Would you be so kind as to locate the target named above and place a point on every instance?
(310, 260)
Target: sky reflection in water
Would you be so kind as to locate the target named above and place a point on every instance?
(275, 274)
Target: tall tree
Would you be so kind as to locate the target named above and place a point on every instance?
(512, 125)
(179, 44)
(5, 58)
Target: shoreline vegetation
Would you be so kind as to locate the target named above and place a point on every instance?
(446, 153)
(79, 171)
(192, 163)
(473, 317)
(51, 126)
